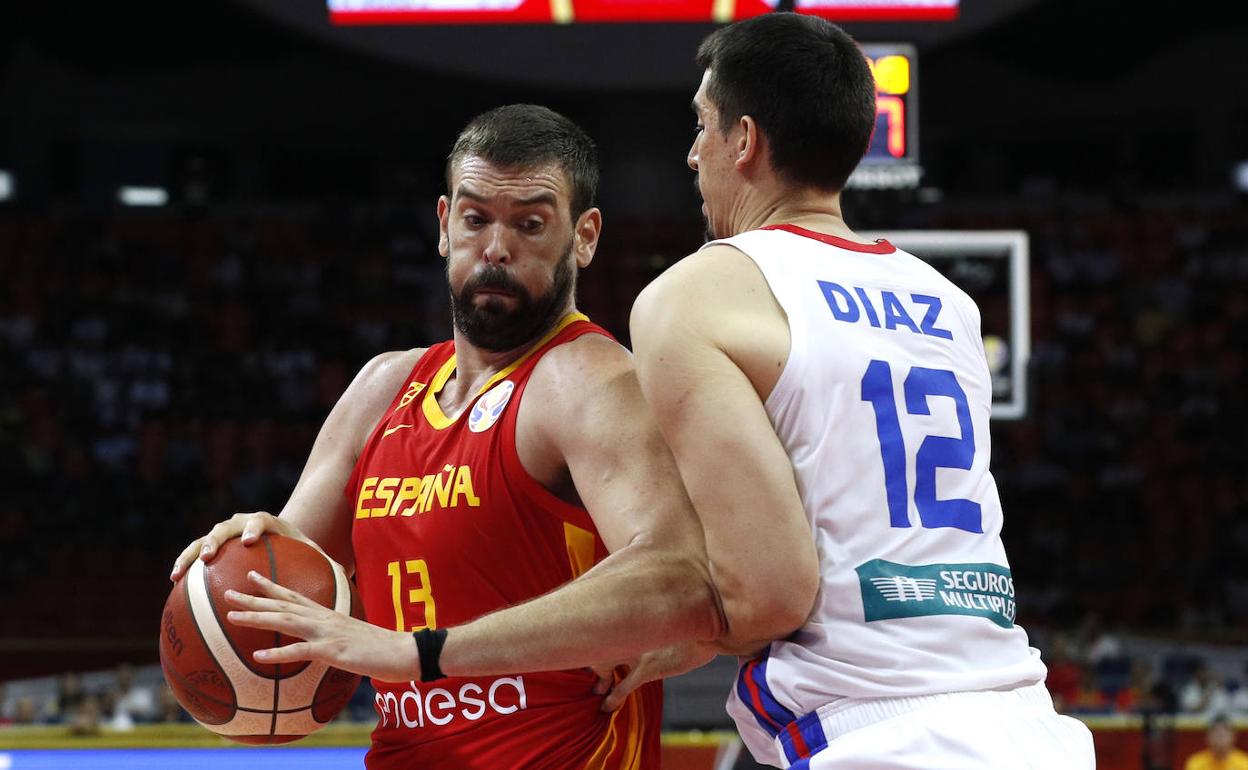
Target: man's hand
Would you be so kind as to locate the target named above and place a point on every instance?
(247, 525)
(659, 664)
(329, 637)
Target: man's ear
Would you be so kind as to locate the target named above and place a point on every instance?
(444, 217)
(585, 237)
(749, 142)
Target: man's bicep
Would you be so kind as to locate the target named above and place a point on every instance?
(740, 480)
(318, 505)
(623, 470)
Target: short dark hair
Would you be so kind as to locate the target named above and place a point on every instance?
(526, 136)
(805, 82)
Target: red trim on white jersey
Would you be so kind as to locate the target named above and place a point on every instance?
(879, 247)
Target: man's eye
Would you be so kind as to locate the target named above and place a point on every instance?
(531, 225)
(474, 220)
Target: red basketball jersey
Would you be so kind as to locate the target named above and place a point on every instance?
(449, 526)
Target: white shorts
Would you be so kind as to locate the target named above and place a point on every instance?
(987, 730)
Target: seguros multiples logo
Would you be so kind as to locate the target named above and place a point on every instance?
(891, 590)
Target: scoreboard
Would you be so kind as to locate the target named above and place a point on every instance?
(364, 12)
(896, 96)
(892, 160)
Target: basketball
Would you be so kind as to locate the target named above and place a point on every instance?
(209, 661)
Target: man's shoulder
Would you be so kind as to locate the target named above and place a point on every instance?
(718, 279)
(389, 368)
(580, 365)
(569, 395)
(718, 262)
(377, 382)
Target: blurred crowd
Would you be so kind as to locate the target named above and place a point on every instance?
(1093, 671)
(160, 371)
(117, 700)
(119, 704)
(1123, 490)
(158, 374)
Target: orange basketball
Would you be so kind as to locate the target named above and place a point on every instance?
(209, 661)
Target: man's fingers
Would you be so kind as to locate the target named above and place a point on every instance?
(635, 679)
(184, 560)
(275, 591)
(606, 677)
(259, 603)
(288, 654)
(247, 525)
(282, 622)
(252, 530)
(603, 685)
(216, 536)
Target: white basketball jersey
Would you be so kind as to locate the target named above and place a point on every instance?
(883, 408)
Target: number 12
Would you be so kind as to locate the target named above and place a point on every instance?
(935, 451)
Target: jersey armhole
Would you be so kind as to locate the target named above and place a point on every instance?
(792, 304)
(351, 489)
(520, 476)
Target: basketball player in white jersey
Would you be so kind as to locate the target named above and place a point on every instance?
(827, 400)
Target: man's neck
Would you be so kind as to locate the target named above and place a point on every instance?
(811, 209)
(474, 366)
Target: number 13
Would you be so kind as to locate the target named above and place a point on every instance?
(421, 596)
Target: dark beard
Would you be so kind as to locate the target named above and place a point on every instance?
(494, 328)
(706, 218)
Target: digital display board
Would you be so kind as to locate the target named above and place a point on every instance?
(363, 12)
(892, 160)
(896, 138)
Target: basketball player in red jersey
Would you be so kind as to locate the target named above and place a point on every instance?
(508, 496)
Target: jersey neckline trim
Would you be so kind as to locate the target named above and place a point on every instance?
(433, 410)
(879, 247)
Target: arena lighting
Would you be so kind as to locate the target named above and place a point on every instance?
(143, 196)
(367, 12)
(1241, 176)
(6, 185)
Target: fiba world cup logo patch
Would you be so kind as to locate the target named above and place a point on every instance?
(488, 408)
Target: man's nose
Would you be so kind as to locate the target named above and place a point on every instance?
(497, 250)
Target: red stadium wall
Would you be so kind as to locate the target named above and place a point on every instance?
(1122, 748)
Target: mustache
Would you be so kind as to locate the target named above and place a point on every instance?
(493, 277)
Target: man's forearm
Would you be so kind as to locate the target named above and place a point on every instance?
(639, 598)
